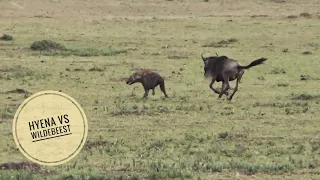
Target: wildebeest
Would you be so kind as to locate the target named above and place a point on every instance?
(149, 80)
(206, 59)
(219, 78)
(225, 69)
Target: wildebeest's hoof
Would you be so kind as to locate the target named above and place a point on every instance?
(230, 98)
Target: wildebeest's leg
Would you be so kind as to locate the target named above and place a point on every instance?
(235, 88)
(211, 85)
(240, 74)
(153, 93)
(213, 89)
(225, 87)
(163, 88)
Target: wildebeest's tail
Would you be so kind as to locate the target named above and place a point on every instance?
(254, 63)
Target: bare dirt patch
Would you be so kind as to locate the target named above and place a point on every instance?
(123, 79)
(177, 57)
(222, 43)
(15, 72)
(278, 1)
(89, 11)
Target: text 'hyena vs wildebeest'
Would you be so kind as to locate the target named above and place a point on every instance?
(224, 69)
(149, 80)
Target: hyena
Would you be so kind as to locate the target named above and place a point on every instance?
(149, 80)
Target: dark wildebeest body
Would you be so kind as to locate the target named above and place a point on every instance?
(149, 80)
(224, 69)
(219, 78)
(212, 60)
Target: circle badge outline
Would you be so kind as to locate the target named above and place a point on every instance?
(82, 142)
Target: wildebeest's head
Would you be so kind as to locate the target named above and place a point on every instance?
(206, 67)
(209, 62)
(135, 77)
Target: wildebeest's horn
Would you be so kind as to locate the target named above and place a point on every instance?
(202, 56)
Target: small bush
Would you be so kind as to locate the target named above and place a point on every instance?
(282, 84)
(46, 45)
(96, 69)
(307, 53)
(307, 15)
(7, 37)
(292, 17)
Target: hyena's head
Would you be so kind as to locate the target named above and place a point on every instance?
(135, 77)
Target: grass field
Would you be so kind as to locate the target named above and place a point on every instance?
(270, 130)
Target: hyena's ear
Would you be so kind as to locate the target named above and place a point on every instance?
(138, 76)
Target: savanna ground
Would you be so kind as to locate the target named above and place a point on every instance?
(269, 130)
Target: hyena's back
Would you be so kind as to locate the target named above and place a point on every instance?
(151, 79)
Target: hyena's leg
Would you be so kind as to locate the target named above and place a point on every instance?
(153, 93)
(163, 88)
(146, 92)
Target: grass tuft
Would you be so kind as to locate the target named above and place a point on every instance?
(6, 37)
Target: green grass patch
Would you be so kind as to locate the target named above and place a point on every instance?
(84, 52)
(52, 48)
